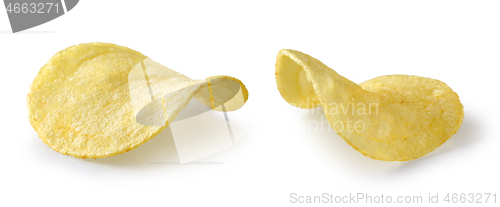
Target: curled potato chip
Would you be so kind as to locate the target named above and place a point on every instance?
(391, 118)
(98, 100)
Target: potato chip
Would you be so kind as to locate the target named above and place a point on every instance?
(391, 118)
(98, 100)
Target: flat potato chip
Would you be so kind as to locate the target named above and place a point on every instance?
(391, 118)
(98, 100)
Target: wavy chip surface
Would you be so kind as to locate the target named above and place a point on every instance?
(391, 118)
(98, 100)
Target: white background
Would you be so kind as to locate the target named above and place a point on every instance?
(457, 42)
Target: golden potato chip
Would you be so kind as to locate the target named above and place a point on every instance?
(98, 100)
(391, 118)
